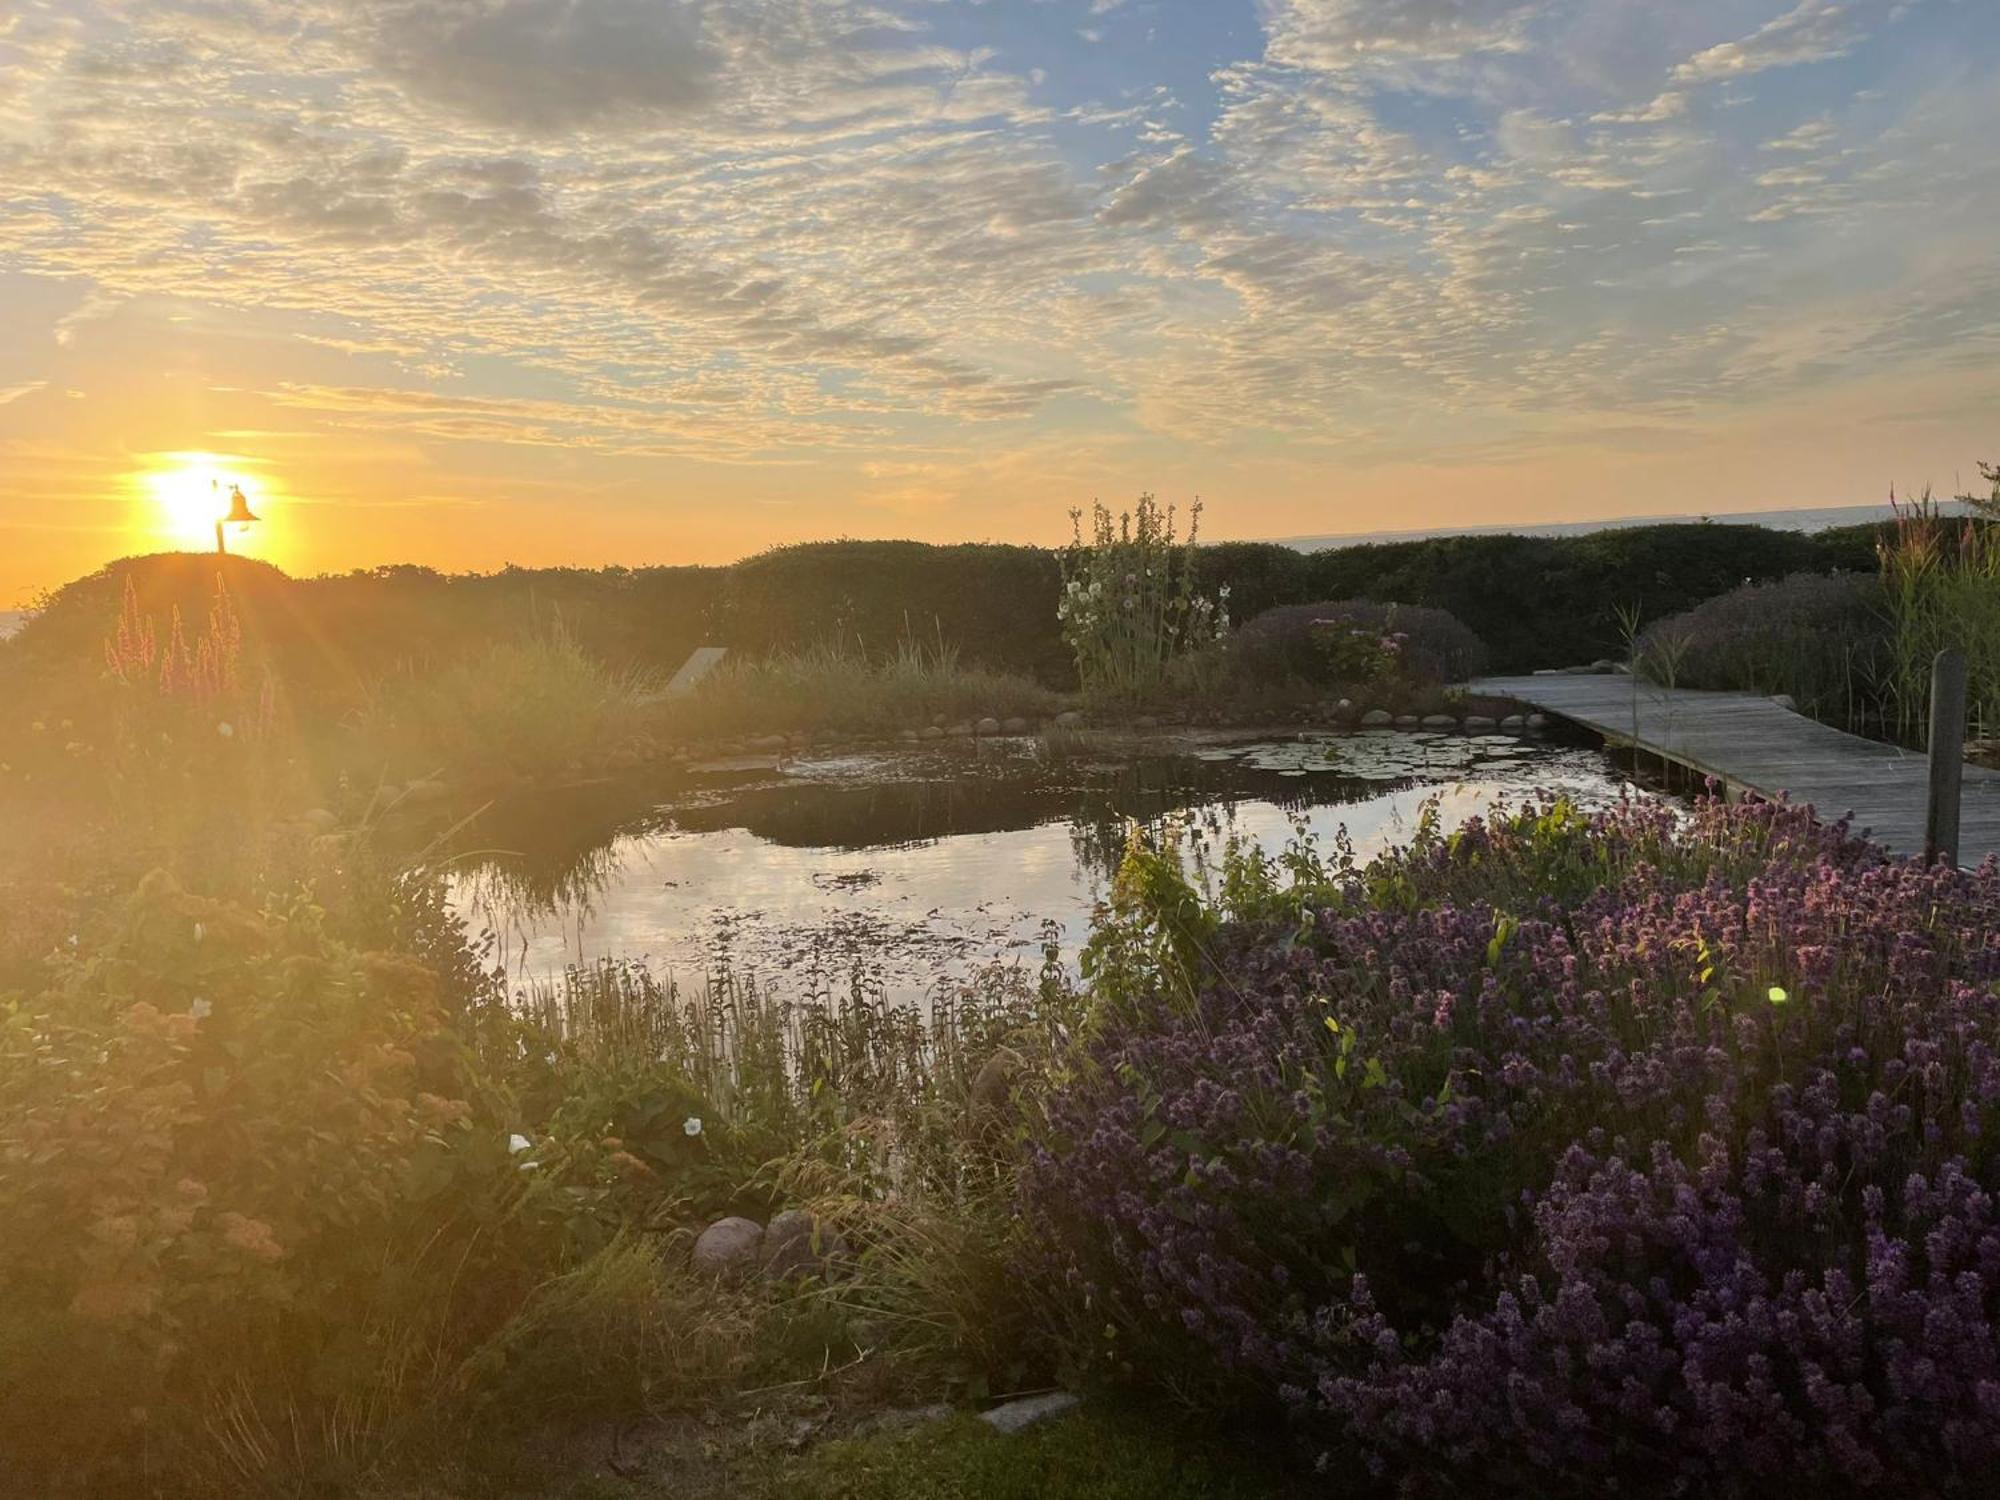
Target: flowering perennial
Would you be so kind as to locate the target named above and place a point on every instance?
(1639, 1147)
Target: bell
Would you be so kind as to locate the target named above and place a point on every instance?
(239, 507)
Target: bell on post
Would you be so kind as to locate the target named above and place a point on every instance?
(240, 514)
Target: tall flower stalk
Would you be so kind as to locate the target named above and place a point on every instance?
(1129, 604)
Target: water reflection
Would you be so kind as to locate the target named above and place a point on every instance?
(902, 870)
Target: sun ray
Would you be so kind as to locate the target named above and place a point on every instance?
(187, 493)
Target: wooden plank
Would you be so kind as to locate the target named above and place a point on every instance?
(1752, 743)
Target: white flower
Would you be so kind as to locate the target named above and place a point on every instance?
(691, 1126)
(200, 1009)
(226, 729)
(516, 1144)
(1223, 592)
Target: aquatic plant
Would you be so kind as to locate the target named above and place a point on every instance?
(1940, 581)
(1639, 1145)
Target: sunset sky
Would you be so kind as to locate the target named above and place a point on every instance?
(466, 282)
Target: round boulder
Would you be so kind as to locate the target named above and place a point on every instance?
(1378, 718)
(797, 1244)
(729, 1247)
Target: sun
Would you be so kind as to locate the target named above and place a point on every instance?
(189, 493)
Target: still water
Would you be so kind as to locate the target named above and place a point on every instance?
(911, 869)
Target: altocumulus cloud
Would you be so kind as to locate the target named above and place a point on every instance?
(754, 228)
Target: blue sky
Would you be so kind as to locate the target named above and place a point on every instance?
(467, 281)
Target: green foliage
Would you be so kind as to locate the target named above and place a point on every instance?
(1940, 587)
(226, 1143)
(1550, 601)
(1391, 652)
(531, 707)
(1821, 639)
(1129, 604)
(1088, 1456)
(836, 684)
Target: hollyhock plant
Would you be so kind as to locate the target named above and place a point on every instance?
(1650, 1146)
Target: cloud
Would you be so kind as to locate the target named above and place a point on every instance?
(1337, 35)
(1670, 105)
(1812, 31)
(549, 64)
(755, 230)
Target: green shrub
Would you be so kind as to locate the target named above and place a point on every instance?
(1354, 644)
(1552, 601)
(836, 684)
(1821, 639)
(227, 1146)
(531, 707)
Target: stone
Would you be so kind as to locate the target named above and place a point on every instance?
(1145, 721)
(1407, 721)
(988, 725)
(1069, 720)
(1016, 726)
(422, 793)
(939, 720)
(1785, 700)
(932, 732)
(962, 730)
(907, 736)
(1479, 721)
(769, 744)
(1440, 721)
(797, 1244)
(1538, 721)
(728, 1247)
(318, 820)
(1514, 721)
(1019, 1416)
(1378, 718)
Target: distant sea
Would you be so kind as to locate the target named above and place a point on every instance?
(1782, 520)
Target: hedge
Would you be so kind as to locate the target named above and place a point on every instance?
(1535, 601)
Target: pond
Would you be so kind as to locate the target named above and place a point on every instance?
(906, 869)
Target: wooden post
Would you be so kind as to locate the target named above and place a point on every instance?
(1947, 755)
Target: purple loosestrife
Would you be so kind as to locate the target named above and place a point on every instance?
(1641, 1145)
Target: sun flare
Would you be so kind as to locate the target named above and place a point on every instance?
(189, 493)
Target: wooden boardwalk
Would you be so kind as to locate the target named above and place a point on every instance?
(1751, 744)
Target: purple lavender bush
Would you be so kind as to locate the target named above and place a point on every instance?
(1564, 1153)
